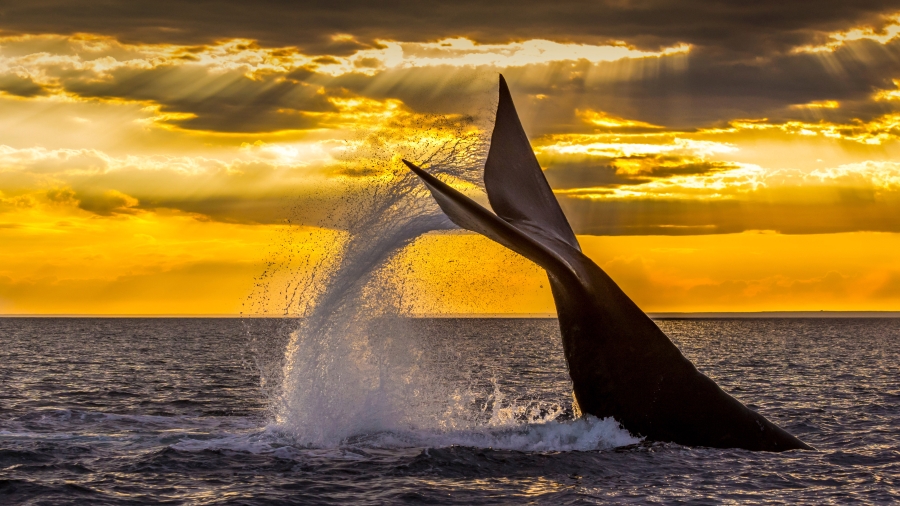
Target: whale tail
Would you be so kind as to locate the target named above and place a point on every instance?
(515, 184)
(470, 215)
(528, 218)
(620, 362)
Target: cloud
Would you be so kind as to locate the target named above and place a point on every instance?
(609, 172)
(685, 217)
(670, 186)
(16, 203)
(852, 197)
(20, 86)
(883, 32)
(240, 85)
(634, 140)
(237, 86)
(876, 131)
(649, 117)
(107, 203)
(345, 27)
(256, 188)
(308, 181)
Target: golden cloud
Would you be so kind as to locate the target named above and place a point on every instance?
(879, 130)
(887, 32)
(606, 121)
(145, 168)
(46, 59)
(107, 203)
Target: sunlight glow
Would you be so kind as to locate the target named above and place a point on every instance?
(888, 33)
(131, 171)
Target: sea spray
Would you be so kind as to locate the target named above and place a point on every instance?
(349, 364)
(346, 365)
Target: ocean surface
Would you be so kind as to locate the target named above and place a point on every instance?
(172, 411)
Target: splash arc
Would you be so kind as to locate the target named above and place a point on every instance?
(620, 362)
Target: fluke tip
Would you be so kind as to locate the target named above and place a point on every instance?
(413, 167)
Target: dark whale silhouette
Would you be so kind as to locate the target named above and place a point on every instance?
(621, 364)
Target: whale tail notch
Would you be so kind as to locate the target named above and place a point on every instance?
(470, 215)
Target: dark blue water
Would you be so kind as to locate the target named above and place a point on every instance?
(126, 411)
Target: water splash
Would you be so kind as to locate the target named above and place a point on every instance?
(346, 362)
(349, 366)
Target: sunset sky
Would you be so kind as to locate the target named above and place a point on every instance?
(712, 156)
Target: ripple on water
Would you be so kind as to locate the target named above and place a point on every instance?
(55, 450)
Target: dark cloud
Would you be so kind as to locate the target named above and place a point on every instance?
(703, 90)
(710, 87)
(682, 92)
(221, 101)
(595, 173)
(693, 217)
(599, 172)
(758, 27)
(741, 65)
(20, 86)
(107, 203)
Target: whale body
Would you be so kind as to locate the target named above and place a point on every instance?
(620, 362)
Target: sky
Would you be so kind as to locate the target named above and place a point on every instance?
(711, 156)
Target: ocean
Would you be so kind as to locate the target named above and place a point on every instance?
(434, 411)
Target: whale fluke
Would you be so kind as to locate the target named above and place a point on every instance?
(515, 184)
(621, 364)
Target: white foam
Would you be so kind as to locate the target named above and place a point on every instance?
(584, 434)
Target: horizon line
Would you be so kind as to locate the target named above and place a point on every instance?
(652, 314)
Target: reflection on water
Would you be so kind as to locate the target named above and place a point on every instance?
(502, 487)
(123, 410)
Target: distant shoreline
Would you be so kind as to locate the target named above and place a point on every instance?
(513, 316)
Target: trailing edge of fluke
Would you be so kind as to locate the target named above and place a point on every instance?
(621, 364)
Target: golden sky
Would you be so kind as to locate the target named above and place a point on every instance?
(149, 163)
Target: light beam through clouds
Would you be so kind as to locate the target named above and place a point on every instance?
(129, 169)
